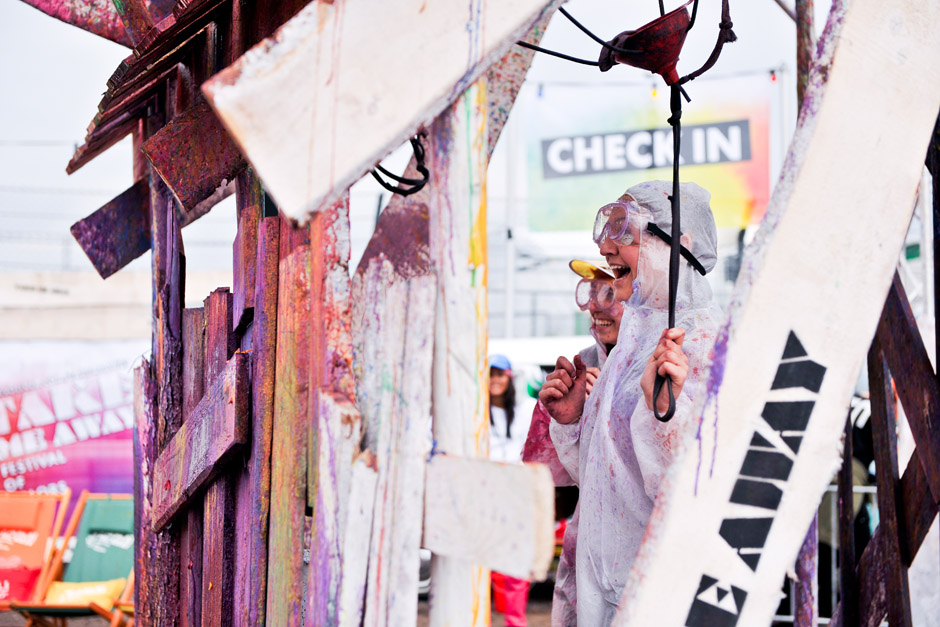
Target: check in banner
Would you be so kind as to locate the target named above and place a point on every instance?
(587, 144)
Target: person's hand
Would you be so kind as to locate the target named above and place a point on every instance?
(592, 374)
(564, 390)
(669, 361)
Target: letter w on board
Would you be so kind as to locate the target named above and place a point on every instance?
(764, 469)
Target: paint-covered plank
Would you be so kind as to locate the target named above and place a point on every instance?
(293, 141)
(458, 159)
(251, 586)
(885, 445)
(781, 368)
(194, 355)
(250, 207)
(914, 377)
(95, 16)
(848, 585)
(136, 18)
(194, 156)
(118, 232)
(338, 433)
(497, 515)
(357, 539)
(212, 434)
(289, 465)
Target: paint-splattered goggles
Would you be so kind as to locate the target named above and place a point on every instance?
(601, 292)
(613, 221)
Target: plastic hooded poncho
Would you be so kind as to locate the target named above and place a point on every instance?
(618, 452)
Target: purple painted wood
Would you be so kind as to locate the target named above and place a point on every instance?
(848, 585)
(291, 411)
(95, 16)
(244, 250)
(212, 434)
(914, 377)
(884, 436)
(194, 355)
(195, 156)
(805, 608)
(218, 542)
(118, 232)
(136, 18)
(251, 586)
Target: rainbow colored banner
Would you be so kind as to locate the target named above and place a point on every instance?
(587, 144)
(76, 433)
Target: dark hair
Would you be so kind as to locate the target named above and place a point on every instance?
(509, 400)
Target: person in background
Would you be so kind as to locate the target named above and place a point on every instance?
(507, 435)
(594, 294)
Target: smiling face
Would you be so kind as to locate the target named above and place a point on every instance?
(499, 381)
(622, 259)
(605, 323)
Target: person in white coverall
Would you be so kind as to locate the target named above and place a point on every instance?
(610, 442)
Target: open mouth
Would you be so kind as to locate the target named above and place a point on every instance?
(602, 323)
(620, 271)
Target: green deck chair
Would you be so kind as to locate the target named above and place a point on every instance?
(103, 557)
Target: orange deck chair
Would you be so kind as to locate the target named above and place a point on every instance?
(29, 524)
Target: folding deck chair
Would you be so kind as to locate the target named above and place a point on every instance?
(101, 560)
(29, 524)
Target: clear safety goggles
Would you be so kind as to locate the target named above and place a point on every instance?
(601, 292)
(613, 221)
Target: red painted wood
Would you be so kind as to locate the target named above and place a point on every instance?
(194, 354)
(95, 16)
(212, 434)
(884, 436)
(136, 18)
(118, 232)
(195, 156)
(220, 339)
(289, 465)
(914, 377)
(244, 269)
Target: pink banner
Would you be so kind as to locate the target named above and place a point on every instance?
(75, 433)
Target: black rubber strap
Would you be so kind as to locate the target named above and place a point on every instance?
(675, 105)
(653, 228)
(725, 35)
(415, 184)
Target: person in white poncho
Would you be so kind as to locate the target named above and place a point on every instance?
(610, 442)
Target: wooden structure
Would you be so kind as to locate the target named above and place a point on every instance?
(302, 394)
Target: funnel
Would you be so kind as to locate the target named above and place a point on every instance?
(657, 45)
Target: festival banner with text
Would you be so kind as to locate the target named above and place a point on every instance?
(75, 433)
(587, 144)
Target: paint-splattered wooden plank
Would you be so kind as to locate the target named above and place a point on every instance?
(314, 56)
(458, 252)
(339, 430)
(848, 585)
(497, 515)
(118, 232)
(95, 16)
(211, 435)
(218, 542)
(194, 355)
(289, 465)
(251, 586)
(195, 156)
(357, 539)
(914, 377)
(136, 18)
(794, 390)
(393, 327)
(885, 445)
(245, 247)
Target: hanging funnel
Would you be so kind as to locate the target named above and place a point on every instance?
(654, 47)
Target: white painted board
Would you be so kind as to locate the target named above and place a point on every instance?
(334, 91)
(734, 510)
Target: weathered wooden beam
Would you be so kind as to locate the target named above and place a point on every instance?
(218, 540)
(195, 157)
(194, 357)
(118, 232)
(848, 584)
(817, 355)
(497, 515)
(914, 377)
(211, 435)
(254, 503)
(245, 247)
(95, 16)
(291, 415)
(316, 57)
(137, 20)
(357, 539)
(885, 444)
